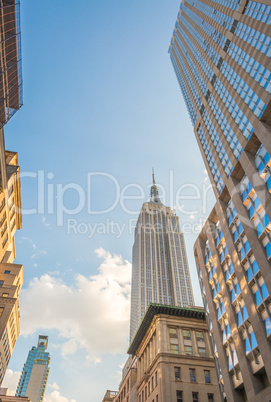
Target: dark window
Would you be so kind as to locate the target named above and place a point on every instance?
(195, 396)
(1, 283)
(7, 272)
(192, 373)
(210, 397)
(177, 371)
(156, 382)
(207, 376)
(179, 396)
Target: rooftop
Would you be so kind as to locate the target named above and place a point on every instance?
(156, 309)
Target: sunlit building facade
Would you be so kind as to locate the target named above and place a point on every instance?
(11, 275)
(160, 272)
(32, 383)
(220, 51)
(174, 357)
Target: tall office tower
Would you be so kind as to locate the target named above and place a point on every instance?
(11, 275)
(160, 272)
(35, 373)
(221, 52)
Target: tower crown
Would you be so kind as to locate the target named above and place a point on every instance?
(154, 191)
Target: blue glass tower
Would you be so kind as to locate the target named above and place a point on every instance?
(35, 372)
(220, 51)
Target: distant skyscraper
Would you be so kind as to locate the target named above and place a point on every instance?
(160, 272)
(221, 52)
(35, 372)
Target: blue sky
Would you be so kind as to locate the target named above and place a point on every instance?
(101, 99)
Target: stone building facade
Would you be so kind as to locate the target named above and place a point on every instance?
(174, 356)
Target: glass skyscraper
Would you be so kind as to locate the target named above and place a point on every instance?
(35, 373)
(160, 272)
(220, 51)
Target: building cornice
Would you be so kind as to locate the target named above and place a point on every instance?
(157, 309)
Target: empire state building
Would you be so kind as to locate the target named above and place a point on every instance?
(160, 272)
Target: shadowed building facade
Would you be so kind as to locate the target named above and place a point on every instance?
(220, 51)
(32, 383)
(160, 272)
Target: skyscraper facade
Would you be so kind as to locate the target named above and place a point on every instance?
(220, 51)
(33, 380)
(160, 272)
(11, 275)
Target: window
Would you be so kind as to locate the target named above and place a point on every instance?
(156, 382)
(210, 397)
(156, 399)
(173, 333)
(177, 372)
(199, 336)
(5, 295)
(207, 376)
(174, 348)
(149, 388)
(1, 310)
(152, 383)
(192, 373)
(179, 396)
(188, 350)
(145, 392)
(195, 396)
(1, 283)
(186, 335)
(143, 395)
(202, 352)
(7, 272)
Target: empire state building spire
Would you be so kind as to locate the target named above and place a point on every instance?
(154, 191)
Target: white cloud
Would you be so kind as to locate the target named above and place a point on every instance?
(69, 347)
(11, 381)
(54, 386)
(55, 396)
(93, 314)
